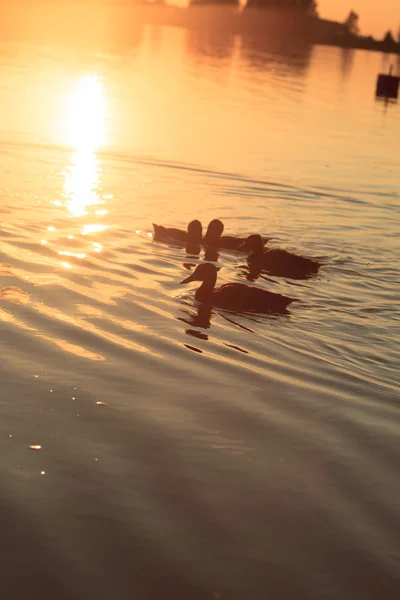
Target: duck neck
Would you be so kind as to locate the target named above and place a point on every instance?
(194, 238)
(211, 240)
(255, 254)
(205, 291)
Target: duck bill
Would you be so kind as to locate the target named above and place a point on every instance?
(189, 279)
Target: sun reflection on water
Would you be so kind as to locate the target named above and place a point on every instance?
(81, 183)
(85, 132)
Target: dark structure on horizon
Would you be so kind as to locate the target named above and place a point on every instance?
(214, 3)
(294, 19)
(307, 6)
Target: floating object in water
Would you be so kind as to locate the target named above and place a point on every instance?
(215, 239)
(212, 239)
(235, 296)
(387, 86)
(279, 262)
(193, 234)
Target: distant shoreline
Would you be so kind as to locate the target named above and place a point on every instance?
(375, 46)
(285, 27)
(269, 22)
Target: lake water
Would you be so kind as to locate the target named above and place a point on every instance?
(181, 453)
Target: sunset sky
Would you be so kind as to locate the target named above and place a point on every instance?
(375, 17)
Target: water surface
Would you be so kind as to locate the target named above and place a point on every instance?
(186, 453)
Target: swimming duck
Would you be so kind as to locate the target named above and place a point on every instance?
(235, 296)
(215, 239)
(192, 235)
(278, 262)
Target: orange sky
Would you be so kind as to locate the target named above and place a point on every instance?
(376, 17)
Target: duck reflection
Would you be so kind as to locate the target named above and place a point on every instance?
(199, 317)
(211, 254)
(251, 272)
(193, 252)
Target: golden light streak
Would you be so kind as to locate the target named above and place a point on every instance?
(85, 132)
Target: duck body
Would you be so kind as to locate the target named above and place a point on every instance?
(162, 233)
(241, 297)
(235, 296)
(230, 242)
(192, 235)
(279, 262)
(214, 238)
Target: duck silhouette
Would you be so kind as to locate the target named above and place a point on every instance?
(235, 296)
(278, 262)
(214, 238)
(193, 235)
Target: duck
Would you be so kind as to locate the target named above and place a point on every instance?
(235, 296)
(278, 262)
(214, 238)
(192, 235)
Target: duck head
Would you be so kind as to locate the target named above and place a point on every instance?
(214, 232)
(205, 272)
(254, 244)
(195, 232)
